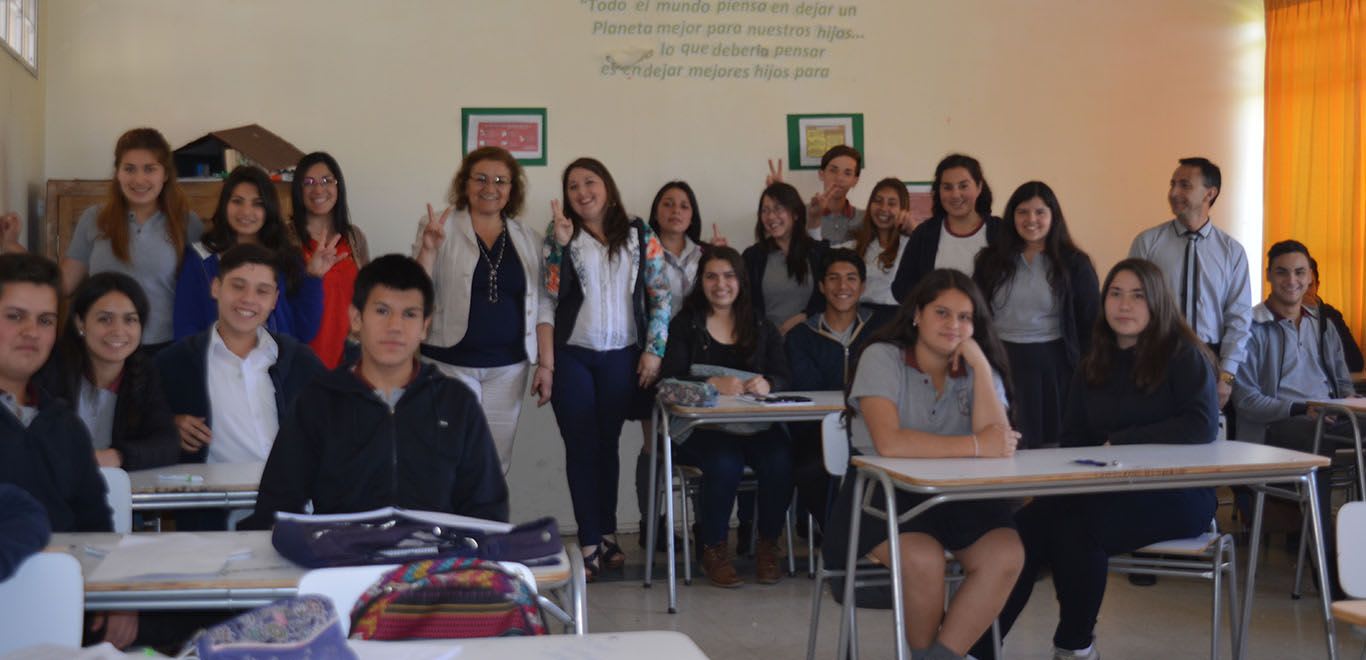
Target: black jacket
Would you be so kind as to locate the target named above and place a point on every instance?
(1080, 305)
(184, 370)
(756, 262)
(24, 529)
(144, 429)
(52, 460)
(1350, 349)
(690, 343)
(921, 250)
(343, 449)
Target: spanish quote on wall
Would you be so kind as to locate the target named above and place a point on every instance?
(720, 39)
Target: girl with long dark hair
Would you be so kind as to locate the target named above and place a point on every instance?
(321, 220)
(960, 227)
(249, 212)
(743, 354)
(931, 384)
(783, 262)
(1044, 298)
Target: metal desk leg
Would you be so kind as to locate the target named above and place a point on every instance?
(667, 446)
(579, 594)
(1254, 546)
(894, 550)
(653, 499)
(1325, 589)
(848, 638)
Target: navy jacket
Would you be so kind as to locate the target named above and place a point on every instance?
(24, 529)
(345, 451)
(756, 262)
(921, 250)
(818, 360)
(184, 368)
(53, 461)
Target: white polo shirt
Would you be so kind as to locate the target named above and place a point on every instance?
(242, 410)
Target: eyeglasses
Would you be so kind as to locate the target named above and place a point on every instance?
(324, 182)
(484, 180)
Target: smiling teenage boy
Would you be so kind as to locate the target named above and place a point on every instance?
(390, 430)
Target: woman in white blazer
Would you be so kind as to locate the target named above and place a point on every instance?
(486, 267)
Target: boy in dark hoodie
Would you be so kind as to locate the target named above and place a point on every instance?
(388, 430)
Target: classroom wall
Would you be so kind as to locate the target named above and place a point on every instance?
(22, 170)
(1081, 94)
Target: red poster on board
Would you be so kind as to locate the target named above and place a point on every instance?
(514, 136)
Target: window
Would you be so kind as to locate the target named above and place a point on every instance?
(19, 30)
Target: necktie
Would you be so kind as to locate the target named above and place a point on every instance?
(1190, 280)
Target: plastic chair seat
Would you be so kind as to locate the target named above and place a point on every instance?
(1198, 546)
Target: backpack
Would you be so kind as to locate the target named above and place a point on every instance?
(290, 629)
(444, 599)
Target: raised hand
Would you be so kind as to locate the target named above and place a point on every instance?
(564, 229)
(906, 222)
(324, 258)
(434, 232)
(816, 209)
(717, 240)
(775, 174)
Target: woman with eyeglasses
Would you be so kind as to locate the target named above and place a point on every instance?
(249, 212)
(321, 218)
(486, 268)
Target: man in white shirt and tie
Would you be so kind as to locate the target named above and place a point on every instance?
(1206, 268)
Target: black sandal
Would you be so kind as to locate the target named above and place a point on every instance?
(612, 555)
(591, 565)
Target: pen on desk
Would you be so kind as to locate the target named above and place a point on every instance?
(1096, 463)
(181, 478)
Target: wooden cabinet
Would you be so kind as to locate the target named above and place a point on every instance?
(68, 198)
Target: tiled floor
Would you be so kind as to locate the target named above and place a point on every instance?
(1168, 621)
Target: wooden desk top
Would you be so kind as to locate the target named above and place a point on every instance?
(264, 569)
(821, 402)
(1136, 462)
(217, 477)
(1350, 611)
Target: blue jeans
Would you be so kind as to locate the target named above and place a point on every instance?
(722, 457)
(588, 395)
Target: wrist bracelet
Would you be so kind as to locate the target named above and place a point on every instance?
(976, 450)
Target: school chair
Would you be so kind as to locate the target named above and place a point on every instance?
(42, 603)
(1347, 472)
(119, 494)
(868, 573)
(1351, 568)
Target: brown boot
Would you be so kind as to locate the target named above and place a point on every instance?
(766, 557)
(718, 567)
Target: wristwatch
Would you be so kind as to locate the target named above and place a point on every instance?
(1226, 377)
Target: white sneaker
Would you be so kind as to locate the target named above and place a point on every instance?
(1088, 653)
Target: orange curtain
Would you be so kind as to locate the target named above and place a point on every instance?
(1315, 160)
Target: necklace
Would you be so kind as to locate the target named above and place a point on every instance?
(500, 244)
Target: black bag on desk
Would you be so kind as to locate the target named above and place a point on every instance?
(399, 539)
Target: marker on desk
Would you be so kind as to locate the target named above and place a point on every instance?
(181, 478)
(1095, 463)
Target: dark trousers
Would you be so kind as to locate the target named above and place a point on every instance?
(588, 395)
(813, 482)
(1039, 378)
(1076, 536)
(722, 457)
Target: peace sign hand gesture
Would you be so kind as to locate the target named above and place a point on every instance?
(717, 240)
(564, 229)
(324, 258)
(434, 232)
(775, 174)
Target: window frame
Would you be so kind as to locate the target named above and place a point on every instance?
(27, 26)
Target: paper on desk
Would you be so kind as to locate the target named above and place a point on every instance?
(165, 555)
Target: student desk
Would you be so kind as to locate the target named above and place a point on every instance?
(196, 486)
(729, 409)
(1350, 409)
(1040, 472)
(257, 580)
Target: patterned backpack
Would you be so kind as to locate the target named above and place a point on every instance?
(447, 598)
